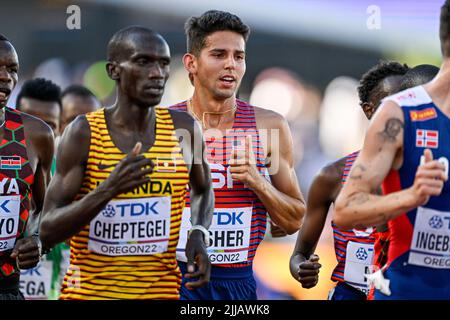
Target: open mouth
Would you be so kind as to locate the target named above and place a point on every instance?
(4, 93)
(228, 79)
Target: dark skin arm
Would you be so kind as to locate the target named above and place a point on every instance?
(63, 217)
(201, 196)
(276, 231)
(40, 148)
(324, 189)
(323, 192)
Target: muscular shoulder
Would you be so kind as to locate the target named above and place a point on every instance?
(37, 131)
(267, 122)
(74, 145)
(79, 127)
(189, 135)
(389, 109)
(331, 174)
(77, 133)
(182, 120)
(327, 183)
(268, 119)
(386, 126)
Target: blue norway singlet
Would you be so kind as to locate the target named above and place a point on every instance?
(419, 250)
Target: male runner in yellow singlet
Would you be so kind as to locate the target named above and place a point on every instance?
(120, 184)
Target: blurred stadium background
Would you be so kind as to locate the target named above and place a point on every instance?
(304, 59)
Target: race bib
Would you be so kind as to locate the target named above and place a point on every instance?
(131, 227)
(9, 221)
(229, 235)
(430, 246)
(357, 263)
(35, 283)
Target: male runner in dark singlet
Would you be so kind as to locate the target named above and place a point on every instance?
(26, 153)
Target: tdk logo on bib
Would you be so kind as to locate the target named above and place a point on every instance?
(4, 206)
(33, 271)
(226, 218)
(361, 254)
(436, 222)
(109, 211)
(130, 209)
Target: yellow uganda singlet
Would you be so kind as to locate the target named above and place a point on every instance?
(128, 249)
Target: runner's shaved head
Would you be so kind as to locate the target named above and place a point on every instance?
(122, 42)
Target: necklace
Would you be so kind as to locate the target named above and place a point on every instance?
(203, 122)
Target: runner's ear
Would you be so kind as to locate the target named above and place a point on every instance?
(113, 70)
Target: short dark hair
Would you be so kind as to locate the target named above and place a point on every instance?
(198, 28)
(39, 89)
(372, 78)
(444, 28)
(115, 50)
(78, 90)
(418, 75)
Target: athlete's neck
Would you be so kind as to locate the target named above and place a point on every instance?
(212, 112)
(205, 103)
(439, 88)
(132, 117)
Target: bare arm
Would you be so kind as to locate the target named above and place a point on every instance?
(201, 193)
(324, 190)
(358, 205)
(63, 217)
(193, 149)
(42, 142)
(201, 197)
(282, 197)
(41, 146)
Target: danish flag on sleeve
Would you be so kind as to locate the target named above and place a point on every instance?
(427, 138)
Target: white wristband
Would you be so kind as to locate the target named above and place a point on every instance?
(203, 230)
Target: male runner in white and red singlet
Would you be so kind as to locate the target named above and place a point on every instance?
(246, 187)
